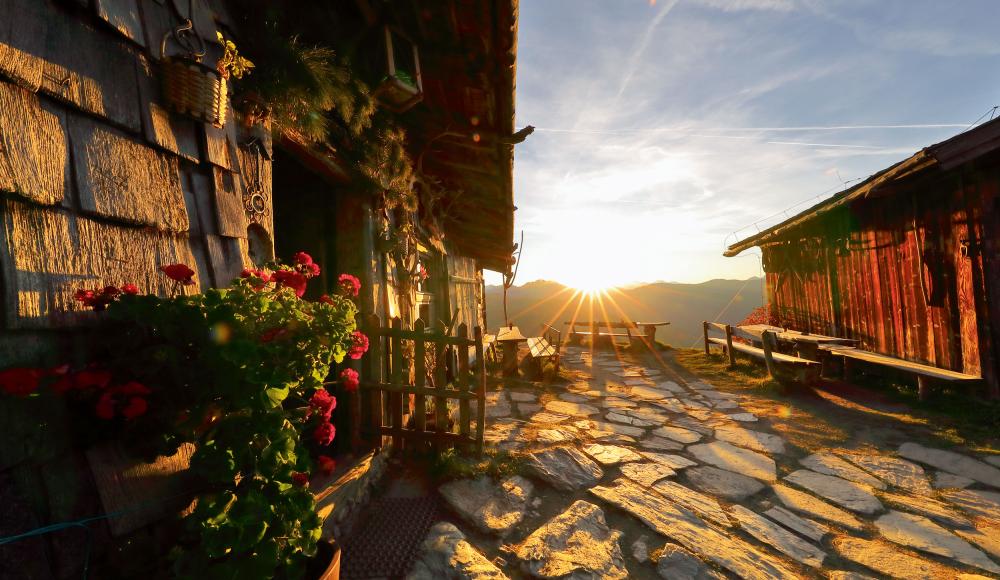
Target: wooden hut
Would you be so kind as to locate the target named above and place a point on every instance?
(906, 262)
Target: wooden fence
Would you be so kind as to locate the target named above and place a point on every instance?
(396, 384)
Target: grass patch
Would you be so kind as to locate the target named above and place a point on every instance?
(714, 368)
(496, 463)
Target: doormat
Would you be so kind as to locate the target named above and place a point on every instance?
(387, 542)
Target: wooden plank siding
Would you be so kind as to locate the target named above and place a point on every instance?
(901, 290)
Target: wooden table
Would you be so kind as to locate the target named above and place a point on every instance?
(510, 337)
(806, 343)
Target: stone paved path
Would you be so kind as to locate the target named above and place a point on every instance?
(639, 474)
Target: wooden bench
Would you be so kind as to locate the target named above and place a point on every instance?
(926, 374)
(646, 337)
(803, 370)
(545, 348)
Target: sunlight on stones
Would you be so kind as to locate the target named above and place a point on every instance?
(781, 539)
(646, 473)
(892, 470)
(611, 454)
(920, 533)
(808, 528)
(446, 553)
(575, 544)
(848, 494)
(726, 456)
(804, 503)
(830, 464)
(952, 463)
(492, 507)
(722, 483)
(565, 468)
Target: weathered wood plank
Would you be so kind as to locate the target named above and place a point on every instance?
(22, 41)
(374, 373)
(226, 259)
(396, 398)
(47, 254)
(121, 178)
(440, 381)
(477, 337)
(231, 218)
(34, 157)
(903, 365)
(462, 382)
(123, 16)
(419, 378)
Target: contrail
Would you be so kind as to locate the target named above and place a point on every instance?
(647, 35)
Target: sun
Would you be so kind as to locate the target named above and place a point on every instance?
(590, 285)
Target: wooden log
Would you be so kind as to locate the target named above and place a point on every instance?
(729, 346)
(419, 379)
(440, 383)
(770, 344)
(396, 398)
(477, 336)
(923, 387)
(462, 382)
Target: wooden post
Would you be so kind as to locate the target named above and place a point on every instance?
(440, 384)
(768, 341)
(509, 358)
(923, 387)
(375, 366)
(419, 380)
(729, 346)
(704, 332)
(462, 383)
(848, 369)
(477, 335)
(396, 374)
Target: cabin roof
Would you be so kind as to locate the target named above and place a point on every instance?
(942, 156)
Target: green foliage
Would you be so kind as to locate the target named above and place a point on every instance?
(494, 462)
(232, 64)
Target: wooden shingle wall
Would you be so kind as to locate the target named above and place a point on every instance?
(465, 290)
(100, 183)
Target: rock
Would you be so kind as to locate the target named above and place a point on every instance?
(670, 386)
(945, 480)
(692, 404)
(809, 505)
(807, 528)
(848, 494)
(523, 397)
(640, 549)
(617, 403)
(993, 460)
(736, 459)
(528, 408)
(922, 534)
(755, 440)
(694, 501)
(726, 484)
(649, 414)
(491, 507)
(671, 461)
(930, 507)
(649, 393)
(565, 468)
(952, 462)
(611, 454)
(660, 444)
(687, 529)
(842, 575)
(545, 417)
(677, 434)
(445, 553)
(676, 563)
(670, 405)
(646, 473)
(892, 470)
(743, 417)
(567, 408)
(613, 427)
(497, 405)
(507, 433)
(980, 504)
(625, 419)
(549, 436)
(890, 562)
(573, 398)
(830, 464)
(781, 539)
(987, 538)
(576, 544)
(724, 404)
(711, 394)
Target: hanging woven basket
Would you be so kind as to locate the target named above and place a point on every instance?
(190, 87)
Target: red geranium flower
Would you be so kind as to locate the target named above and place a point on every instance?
(85, 296)
(349, 380)
(20, 382)
(92, 378)
(326, 464)
(302, 258)
(359, 346)
(136, 406)
(324, 433)
(130, 289)
(325, 299)
(322, 403)
(292, 279)
(300, 479)
(105, 408)
(179, 273)
(349, 285)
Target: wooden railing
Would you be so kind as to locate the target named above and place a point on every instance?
(439, 366)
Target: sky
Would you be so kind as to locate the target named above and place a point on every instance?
(666, 129)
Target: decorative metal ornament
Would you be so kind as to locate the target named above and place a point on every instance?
(255, 202)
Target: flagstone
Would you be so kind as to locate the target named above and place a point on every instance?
(670, 405)
(848, 494)
(920, 533)
(565, 468)
(649, 393)
(705, 506)
(743, 417)
(613, 427)
(528, 408)
(986, 537)
(549, 436)
(546, 417)
(445, 553)
(804, 503)
(808, 528)
(687, 529)
(523, 397)
(660, 444)
(830, 464)
(677, 434)
(575, 544)
(885, 559)
(671, 386)
(646, 473)
(892, 470)
(755, 440)
(993, 460)
(492, 507)
(727, 456)
(725, 405)
(945, 480)
(573, 398)
(618, 403)
(568, 408)
(611, 454)
(647, 414)
(627, 420)
(699, 414)
(672, 461)
(952, 462)
(930, 507)
(978, 503)
(781, 539)
(676, 563)
(725, 484)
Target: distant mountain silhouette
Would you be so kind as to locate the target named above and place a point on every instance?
(684, 306)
